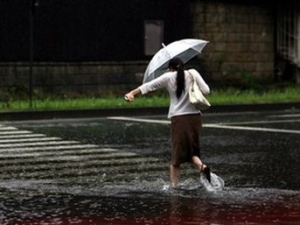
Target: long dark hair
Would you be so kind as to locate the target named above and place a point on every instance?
(177, 65)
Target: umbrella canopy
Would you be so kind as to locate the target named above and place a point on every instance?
(184, 49)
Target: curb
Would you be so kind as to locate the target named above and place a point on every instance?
(85, 113)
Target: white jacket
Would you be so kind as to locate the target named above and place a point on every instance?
(180, 106)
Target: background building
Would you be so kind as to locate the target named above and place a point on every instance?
(104, 46)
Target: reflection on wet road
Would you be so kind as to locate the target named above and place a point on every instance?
(115, 171)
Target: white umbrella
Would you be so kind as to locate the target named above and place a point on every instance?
(184, 49)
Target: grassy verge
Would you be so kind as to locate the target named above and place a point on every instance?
(233, 96)
(219, 97)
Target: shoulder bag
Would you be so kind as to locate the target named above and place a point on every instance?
(196, 97)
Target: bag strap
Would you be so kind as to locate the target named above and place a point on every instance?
(193, 81)
(191, 75)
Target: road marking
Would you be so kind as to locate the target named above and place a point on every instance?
(263, 122)
(222, 126)
(48, 148)
(139, 120)
(43, 143)
(263, 129)
(285, 116)
(15, 132)
(17, 136)
(3, 141)
(7, 128)
(73, 153)
(28, 156)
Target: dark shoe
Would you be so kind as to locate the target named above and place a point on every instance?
(206, 172)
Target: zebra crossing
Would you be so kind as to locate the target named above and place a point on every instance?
(37, 158)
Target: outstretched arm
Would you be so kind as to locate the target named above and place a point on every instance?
(153, 85)
(130, 95)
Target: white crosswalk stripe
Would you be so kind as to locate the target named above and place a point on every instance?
(3, 128)
(30, 156)
(29, 139)
(14, 132)
(17, 136)
(49, 143)
(37, 159)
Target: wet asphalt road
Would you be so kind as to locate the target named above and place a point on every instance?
(113, 170)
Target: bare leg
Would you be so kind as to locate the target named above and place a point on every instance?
(203, 168)
(197, 161)
(174, 175)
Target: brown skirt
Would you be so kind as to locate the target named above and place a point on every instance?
(185, 132)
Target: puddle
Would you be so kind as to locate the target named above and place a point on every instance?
(144, 202)
(194, 201)
(117, 173)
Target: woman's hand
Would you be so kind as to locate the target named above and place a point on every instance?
(129, 97)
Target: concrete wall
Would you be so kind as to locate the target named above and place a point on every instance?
(241, 38)
(241, 49)
(101, 78)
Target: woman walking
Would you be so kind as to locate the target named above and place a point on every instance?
(186, 120)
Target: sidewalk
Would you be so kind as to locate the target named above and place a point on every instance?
(84, 113)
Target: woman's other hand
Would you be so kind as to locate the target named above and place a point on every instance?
(129, 97)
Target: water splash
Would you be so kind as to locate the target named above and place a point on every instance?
(216, 184)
